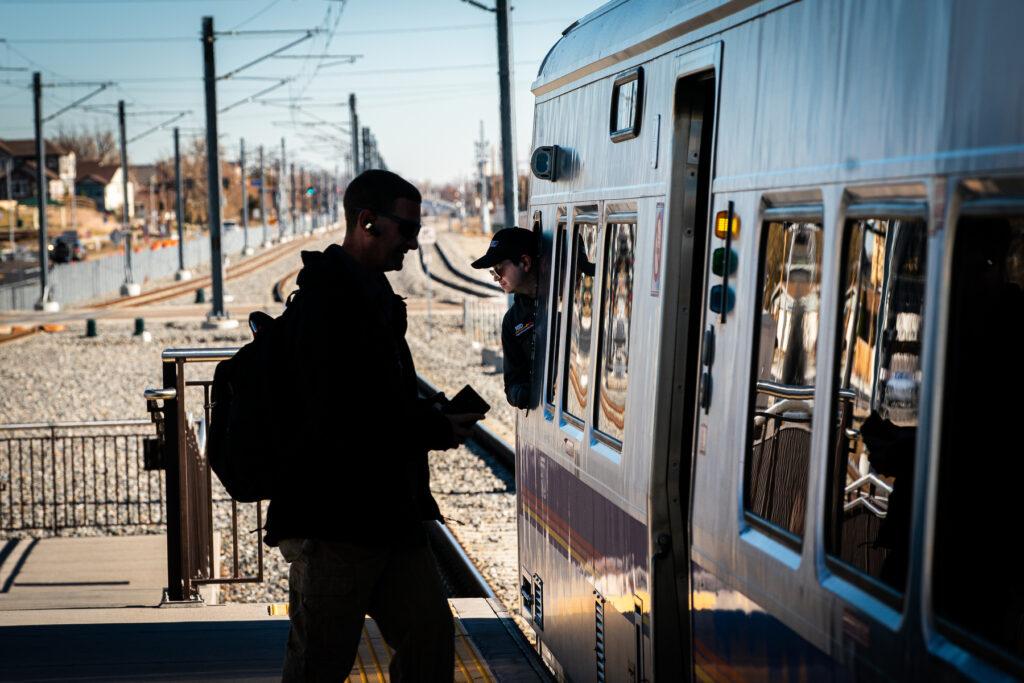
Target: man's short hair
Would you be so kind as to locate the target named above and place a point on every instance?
(376, 190)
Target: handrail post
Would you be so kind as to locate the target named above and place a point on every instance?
(172, 486)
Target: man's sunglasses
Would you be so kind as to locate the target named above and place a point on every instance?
(406, 228)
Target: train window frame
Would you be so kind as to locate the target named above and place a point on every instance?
(773, 533)
(634, 75)
(949, 639)
(589, 214)
(865, 587)
(556, 313)
(626, 214)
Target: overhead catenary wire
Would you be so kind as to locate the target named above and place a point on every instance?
(176, 117)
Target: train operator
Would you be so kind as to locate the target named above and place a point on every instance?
(351, 522)
(512, 258)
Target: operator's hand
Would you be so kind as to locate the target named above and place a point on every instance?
(462, 424)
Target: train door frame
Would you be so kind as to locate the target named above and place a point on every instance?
(697, 84)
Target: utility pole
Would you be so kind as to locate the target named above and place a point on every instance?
(510, 181)
(366, 163)
(334, 196)
(129, 287)
(280, 194)
(246, 249)
(263, 200)
(179, 210)
(291, 204)
(152, 206)
(218, 317)
(45, 303)
(481, 160)
(12, 211)
(354, 124)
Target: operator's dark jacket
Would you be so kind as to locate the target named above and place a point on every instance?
(517, 333)
(357, 470)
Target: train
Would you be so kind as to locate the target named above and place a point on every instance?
(778, 356)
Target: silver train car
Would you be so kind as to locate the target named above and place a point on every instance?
(780, 343)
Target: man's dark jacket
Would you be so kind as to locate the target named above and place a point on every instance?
(517, 333)
(357, 467)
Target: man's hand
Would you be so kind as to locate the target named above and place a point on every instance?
(462, 424)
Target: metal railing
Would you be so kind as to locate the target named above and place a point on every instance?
(67, 475)
(191, 489)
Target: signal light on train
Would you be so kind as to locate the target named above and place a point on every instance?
(721, 223)
(718, 261)
(716, 302)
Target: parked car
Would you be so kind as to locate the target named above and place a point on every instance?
(67, 247)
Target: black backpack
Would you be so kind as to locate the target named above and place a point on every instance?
(247, 422)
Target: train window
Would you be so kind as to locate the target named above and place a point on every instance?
(616, 307)
(581, 318)
(978, 588)
(775, 490)
(878, 382)
(627, 105)
(557, 306)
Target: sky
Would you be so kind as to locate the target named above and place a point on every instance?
(426, 78)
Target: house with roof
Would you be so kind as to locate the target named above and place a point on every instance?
(102, 184)
(18, 158)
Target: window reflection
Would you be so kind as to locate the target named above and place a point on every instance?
(617, 304)
(877, 397)
(581, 320)
(977, 584)
(776, 474)
(626, 109)
(558, 304)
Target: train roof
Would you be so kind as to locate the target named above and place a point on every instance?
(623, 28)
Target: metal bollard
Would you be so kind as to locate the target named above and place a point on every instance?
(90, 328)
(200, 296)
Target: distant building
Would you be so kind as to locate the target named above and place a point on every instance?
(102, 184)
(20, 156)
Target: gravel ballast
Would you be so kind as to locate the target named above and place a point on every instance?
(65, 376)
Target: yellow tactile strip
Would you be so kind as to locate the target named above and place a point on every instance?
(374, 656)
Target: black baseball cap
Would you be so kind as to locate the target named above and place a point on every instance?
(509, 243)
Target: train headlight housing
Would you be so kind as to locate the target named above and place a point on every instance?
(544, 162)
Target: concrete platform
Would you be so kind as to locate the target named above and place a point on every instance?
(79, 609)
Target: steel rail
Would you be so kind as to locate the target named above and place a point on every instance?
(448, 283)
(463, 276)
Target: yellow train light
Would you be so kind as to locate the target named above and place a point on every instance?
(722, 223)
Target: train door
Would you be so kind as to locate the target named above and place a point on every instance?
(679, 373)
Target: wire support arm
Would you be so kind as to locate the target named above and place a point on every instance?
(77, 102)
(309, 34)
(254, 96)
(160, 126)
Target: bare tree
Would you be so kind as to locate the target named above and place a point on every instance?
(96, 144)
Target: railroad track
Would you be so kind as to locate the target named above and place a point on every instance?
(458, 573)
(487, 286)
(172, 291)
(465, 289)
(178, 289)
